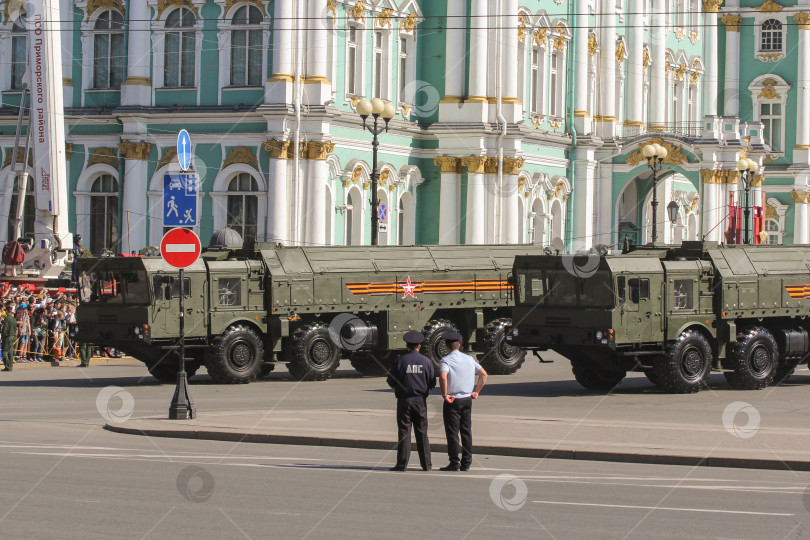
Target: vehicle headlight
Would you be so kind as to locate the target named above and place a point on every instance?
(598, 334)
(514, 331)
(137, 331)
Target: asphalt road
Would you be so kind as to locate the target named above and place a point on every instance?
(62, 476)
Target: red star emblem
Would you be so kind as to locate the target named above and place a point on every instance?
(409, 288)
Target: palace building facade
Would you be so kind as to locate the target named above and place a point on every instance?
(517, 121)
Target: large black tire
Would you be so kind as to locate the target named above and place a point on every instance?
(166, 370)
(753, 359)
(373, 363)
(593, 377)
(686, 366)
(236, 356)
(651, 376)
(315, 356)
(434, 346)
(501, 358)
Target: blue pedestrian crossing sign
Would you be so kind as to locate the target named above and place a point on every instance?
(180, 200)
(184, 149)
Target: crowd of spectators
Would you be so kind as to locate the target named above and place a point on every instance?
(45, 326)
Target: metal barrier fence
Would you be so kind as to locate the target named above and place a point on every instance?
(44, 348)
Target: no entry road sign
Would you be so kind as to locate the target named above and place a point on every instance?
(180, 247)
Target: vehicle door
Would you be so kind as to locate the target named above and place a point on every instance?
(227, 294)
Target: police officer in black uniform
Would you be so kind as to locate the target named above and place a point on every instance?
(412, 377)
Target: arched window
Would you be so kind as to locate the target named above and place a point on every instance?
(109, 58)
(179, 52)
(773, 230)
(18, 56)
(354, 215)
(771, 39)
(382, 69)
(243, 205)
(354, 59)
(29, 209)
(104, 214)
(246, 47)
(538, 236)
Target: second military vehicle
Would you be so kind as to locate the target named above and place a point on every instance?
(250, 309)
(674, 313)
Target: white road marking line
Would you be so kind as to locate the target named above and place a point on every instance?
(667, 508)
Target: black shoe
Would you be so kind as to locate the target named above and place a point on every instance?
(465, 468)
(5, 369)
(449, 468)
(397, 468)
(427, 468)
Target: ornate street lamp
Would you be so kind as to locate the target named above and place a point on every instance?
(655, 154)
(376, 108)
(747, 168)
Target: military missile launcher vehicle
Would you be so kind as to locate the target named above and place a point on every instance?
(676, 313)
(248, 310)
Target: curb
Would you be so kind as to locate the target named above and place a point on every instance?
(540, 453)
(95, 361)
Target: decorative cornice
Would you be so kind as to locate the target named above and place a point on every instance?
(331, 6)
(768, 92)
(674, 154)
(135, 150)
(241, 154)
(384, 18)
(800, 196)
(680, 33)
(769, 7)
(95, 5)
(512, 165)
(449, 165)
(694, 36)
(384, 175)
(803, 20)
(474, 164)
(771, 57)
(770, 212)
(757, 180)
(491, 166)
(319, 150)
(106, 156)
(729, 177)
(163, 5)
(169, 155)
(559, 42)
(523, 22)
(712, 6)
(278, 149)
(540, 37)
(693, 78)
(680, 72)
(732, 22)
(358, 12)
(409, 24)
(592, 44)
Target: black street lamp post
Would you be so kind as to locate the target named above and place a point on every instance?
(655, 154)
(747, 168)
(376, 108)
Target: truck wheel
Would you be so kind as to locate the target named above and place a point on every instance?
(236, 356)
(753, 359)
(686, 367)
(434, 346)
(373, 363)
(166, 371)
(651, 376)
(592, 377)
(783, 373)
(501, 358)
(315, 357)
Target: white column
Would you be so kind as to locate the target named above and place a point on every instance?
(584, 198)
(711, 205)
(67, 27)
(476, 200)
(604, 225)
(509, 218)
(278, 203)
(635, 67)
(731, 84)
(509, 97)
(278, 87)
(607, 83)
(449, 198)
(315, 206)
(456, 50)
(710, 85)
(801, 225)
(658, 81)
(475, 106)
(137, 88)
(133, 225)
(801, 152)
(318, 90)
(582, 119)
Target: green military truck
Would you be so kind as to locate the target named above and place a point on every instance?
(675, 313)
(248, 310)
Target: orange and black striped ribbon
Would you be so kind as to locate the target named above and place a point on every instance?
(429, 287)
(798, 291)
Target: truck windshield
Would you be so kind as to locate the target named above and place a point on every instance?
(559, 288)
(115, 287)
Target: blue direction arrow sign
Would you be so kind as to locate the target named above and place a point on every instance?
(184, 149)
(180, 200)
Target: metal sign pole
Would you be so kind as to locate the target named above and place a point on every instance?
(182, 407)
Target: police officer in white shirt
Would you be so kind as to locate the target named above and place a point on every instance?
(459, 388)
(412, 377)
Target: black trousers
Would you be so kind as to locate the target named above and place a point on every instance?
(412, 412)
(458, 421)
